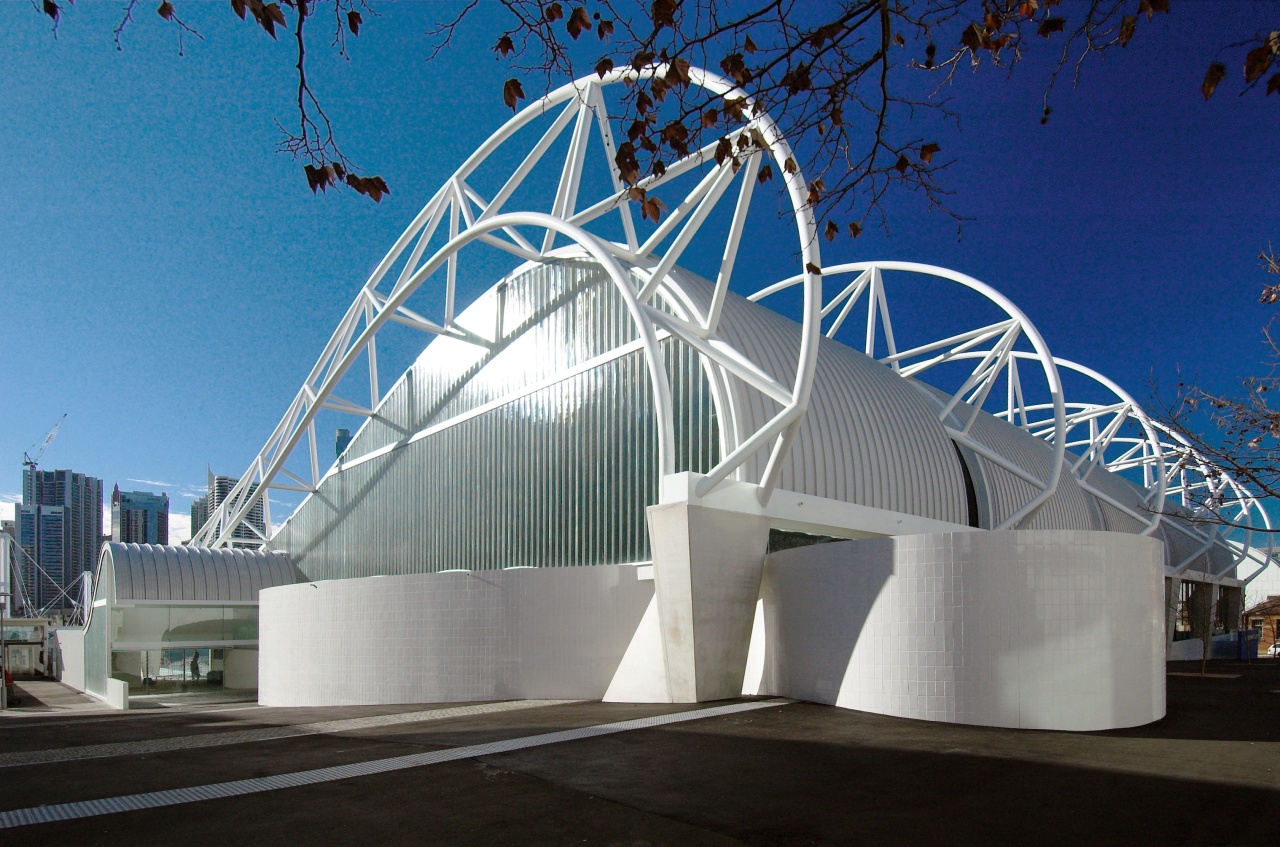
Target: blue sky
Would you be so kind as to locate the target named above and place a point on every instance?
(167, 280)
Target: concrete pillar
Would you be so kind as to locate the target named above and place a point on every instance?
(1172, 594)
(240, 669)
(1203, 595)
(707, 565)
(1232, 606)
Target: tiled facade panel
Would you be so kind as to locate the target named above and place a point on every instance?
(1035, 629)
(449, 637)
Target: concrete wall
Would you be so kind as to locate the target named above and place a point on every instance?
(1222, 646)
(240, 668)
(1039, 629)
(127, 662)
(117, 694)
(70, 643)
(451, 636)
(1186, 649)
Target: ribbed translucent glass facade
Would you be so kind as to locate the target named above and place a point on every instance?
(538, 447)
(96, 653)
(541, 451)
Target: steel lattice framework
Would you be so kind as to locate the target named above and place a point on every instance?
(572, 222)
(1214, 500)
(994, 346)
(639, 268)
(1111, 431)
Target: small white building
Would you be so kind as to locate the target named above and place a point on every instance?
(170, 618)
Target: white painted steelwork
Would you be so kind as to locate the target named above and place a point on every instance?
(1211, 498)
(640, 268)
(1107, 432)
(1179, 489)
(994, 345)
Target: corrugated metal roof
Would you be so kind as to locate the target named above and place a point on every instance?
(157, 572)
(868, 437)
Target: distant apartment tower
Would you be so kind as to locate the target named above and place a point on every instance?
(207, 506)
(7, 555)
(139, 517)
(199, 513)
(58, 529)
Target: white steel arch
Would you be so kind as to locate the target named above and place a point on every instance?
(992, 345)
(1208, 492)
(640, 266)
(1101, 435)
(1173, 472)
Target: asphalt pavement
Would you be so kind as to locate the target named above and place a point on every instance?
(754, 771)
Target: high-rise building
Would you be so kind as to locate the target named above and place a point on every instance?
(139, 517)
(199, 513)
(207, 506)
(59, 529)
(7, 553)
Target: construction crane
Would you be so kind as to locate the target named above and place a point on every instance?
(29, 461)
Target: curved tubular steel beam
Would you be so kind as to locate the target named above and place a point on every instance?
(465, 215)
(992, 346)
(597, 251)
(1103, 444)
(1194, 474)
(1151, 454)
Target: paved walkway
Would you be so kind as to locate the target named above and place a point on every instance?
(245, 736)
(45, 696)
(257, 785)
(744, 772)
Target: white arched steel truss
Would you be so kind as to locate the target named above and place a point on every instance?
(1108, 431)
(1214, 501)
(640, 265)
(994, 346)
(1111, 431)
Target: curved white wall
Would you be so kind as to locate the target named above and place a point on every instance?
(451, 636)
(1049, 629)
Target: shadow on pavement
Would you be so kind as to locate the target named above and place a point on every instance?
(1216, 709)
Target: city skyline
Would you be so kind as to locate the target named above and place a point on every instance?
(139, 517)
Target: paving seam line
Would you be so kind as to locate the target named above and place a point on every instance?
(176, 796)
(266, 733)
(72, 717)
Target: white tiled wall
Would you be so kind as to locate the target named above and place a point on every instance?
(1045, 629)
(454, 636)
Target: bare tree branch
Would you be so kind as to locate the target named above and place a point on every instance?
(816, 69)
